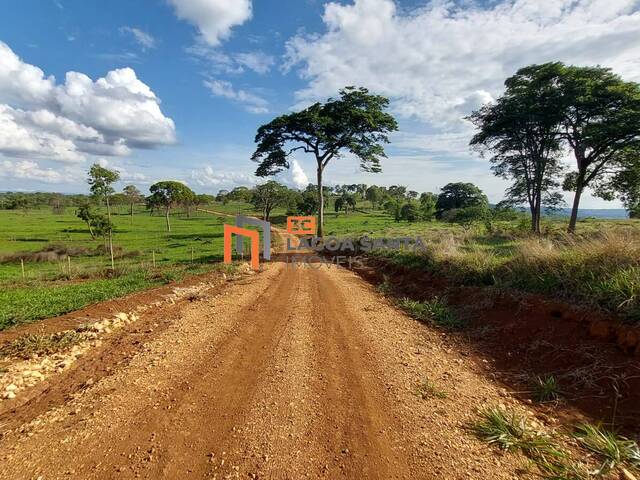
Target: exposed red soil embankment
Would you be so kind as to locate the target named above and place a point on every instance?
(522, 336)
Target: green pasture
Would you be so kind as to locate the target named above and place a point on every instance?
(49, 288)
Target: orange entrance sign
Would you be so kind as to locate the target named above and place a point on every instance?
(301, 225)
(229, 230)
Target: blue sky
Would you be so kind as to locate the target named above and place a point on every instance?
(177, 88)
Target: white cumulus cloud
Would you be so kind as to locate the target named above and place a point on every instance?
(213, 18)
(30, 170)
(210, 177)
(442, 60)
(296, 176)
(65, 122)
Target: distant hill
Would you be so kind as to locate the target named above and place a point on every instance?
(594, 212)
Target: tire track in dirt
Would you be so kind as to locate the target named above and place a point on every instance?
(317, 412)
(216, 395)
(355, 416)
(275, 439)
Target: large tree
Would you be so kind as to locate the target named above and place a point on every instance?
(308, 200)
(168, 194)
(460, 195)
(601, 117)
(345, 202)
(375, 195)
(356, 122)
(100, 183)
(268, 196)
(521, 130)
(396, 198)
(428, 203)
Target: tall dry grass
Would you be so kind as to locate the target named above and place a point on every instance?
(599, 268)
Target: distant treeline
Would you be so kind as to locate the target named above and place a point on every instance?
(28, 200)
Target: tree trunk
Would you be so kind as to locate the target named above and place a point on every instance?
(108, 208)
(131, 209)
(538, 210)
(576, 203)
(113, 266)
(321, 204)
(166, 216)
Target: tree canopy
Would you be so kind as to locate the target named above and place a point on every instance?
(551, 108)
(100, 182)
(356, 122)
(460, 195)
(133, 196)
(168, 194)
(601, 118)
(268, 196)
(521, 129)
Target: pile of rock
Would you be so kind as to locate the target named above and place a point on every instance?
(108, 325)
(27, 373)
(23, 374)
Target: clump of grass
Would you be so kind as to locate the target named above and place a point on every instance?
(29, 345)
(546, 389)
(427, 389)
(615, 451)
(510, 431)
(501, 428)
(436, 310)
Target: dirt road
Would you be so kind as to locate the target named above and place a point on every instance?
(286, 374)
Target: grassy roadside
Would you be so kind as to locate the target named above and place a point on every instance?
(600, 267)
(38, 300)
(603, 273)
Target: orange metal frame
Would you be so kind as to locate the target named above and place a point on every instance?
(229, 230)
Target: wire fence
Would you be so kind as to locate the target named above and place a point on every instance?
(77, 267)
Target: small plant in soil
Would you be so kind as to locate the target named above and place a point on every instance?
(501, 428)
(427, 389)
(546, 389)
(510, 431)
(436, 310)
(615, 451)
(385, 287)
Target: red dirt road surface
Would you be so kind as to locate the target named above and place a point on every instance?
(290, 373)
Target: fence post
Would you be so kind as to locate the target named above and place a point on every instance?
(69, 264)
(22, 266)
(153, 257)
(191, 254)
(113, 266)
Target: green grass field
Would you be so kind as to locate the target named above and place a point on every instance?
(49, 288)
